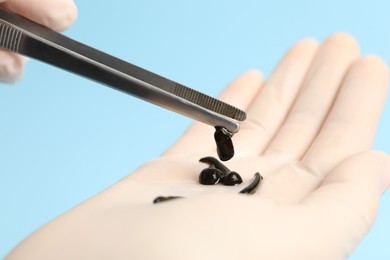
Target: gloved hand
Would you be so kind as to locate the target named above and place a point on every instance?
(55, 14)
(309, 132)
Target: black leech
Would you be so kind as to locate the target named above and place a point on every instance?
(167, 198)
(217, 164)
(210, 176)
(254, 185)
(231, 179)
(223, 139)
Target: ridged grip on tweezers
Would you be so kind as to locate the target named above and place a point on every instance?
(209, 102)
(10, 38)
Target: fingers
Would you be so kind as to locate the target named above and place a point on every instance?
(348, 198)
(55, 14)
(11, 66)
(350, 126)
(315, 98)
(270, 107)
(200, 137)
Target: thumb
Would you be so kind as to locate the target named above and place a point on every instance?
(347, 200)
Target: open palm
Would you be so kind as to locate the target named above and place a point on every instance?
(309, 131)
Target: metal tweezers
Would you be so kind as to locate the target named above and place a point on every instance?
(22, 36)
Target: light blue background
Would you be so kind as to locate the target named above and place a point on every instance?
(64, 138)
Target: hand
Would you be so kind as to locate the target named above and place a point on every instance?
(55, 14)
(309, 133)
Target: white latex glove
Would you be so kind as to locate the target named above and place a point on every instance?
(55, 14)
(309, 133)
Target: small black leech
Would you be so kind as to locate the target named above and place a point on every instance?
(231, 179)
(254, 185)
(210, 176)
(214, 162)
(167, 198)
(228, 177)
(223, 139)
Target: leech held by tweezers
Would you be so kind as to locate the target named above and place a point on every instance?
(223, 139)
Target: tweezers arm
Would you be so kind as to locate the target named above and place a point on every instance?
(32, 40)
(82, 65)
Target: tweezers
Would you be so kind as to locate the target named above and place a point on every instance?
(25, 37)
